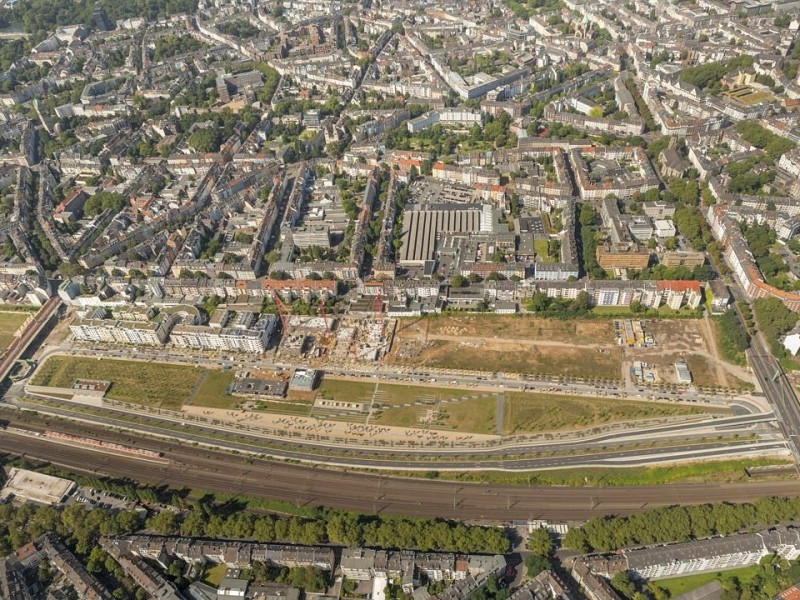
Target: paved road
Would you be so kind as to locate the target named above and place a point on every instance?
(778, 391)
(420, 375)
(218, 472)
(456, 460)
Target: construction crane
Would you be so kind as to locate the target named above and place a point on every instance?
(378, 316)
(281, 308)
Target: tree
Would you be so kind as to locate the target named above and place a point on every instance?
(206, 140)
(458, 281)
(540, 542)
(587, 216)
(163, 523)
(103, 201)
(622, 583)
(774, 320)
(536, 564)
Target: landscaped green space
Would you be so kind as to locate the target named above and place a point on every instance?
(344, 390)
(471, 415)
(386, 394)
(417, 406)
(283, 408)
(528, 412)
(211, 393)
(393, 394)
(151, 384)
(680, 585)
(9, 323)
(723, 471)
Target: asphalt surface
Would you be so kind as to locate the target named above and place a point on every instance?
(493, 459)
(206, 470)
(779, 392)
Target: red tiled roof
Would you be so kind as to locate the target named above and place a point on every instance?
(678, 285)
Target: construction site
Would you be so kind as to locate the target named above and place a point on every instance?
(631, 333)
(342, 339)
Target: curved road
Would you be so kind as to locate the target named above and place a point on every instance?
(497, 459)
(207, 470)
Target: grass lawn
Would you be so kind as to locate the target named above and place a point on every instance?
(723, 471)
(680, 585)
(214, 575)
(345, 390)
(152, 384)
(211, 393)
(394, 394)
(541, 248)
(528, 412)
(9, 323)
(472, 415)
(283, 408)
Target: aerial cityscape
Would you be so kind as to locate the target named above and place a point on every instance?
(399, 300)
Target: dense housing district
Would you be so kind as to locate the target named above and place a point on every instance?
(259, 258)
(140, 548)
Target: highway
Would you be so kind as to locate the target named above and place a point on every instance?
(212, 471)
(778, 391)
(529, 458)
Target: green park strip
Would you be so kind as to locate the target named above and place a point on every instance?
(150, 384)
(724, 471)
(530, 412)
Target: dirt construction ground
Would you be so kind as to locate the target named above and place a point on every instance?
(512, 344)
(694, 341)
(525, 344)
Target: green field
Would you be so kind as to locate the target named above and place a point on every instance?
(680, 585)
(151, 384)
(471, 415)
(211, 393)
(723, 471)
(529, 412)
(9, 323)
(283, 408)
(344, 390)
(386, 394)
(406, 405)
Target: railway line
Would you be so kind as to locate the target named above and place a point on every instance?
(214, 471)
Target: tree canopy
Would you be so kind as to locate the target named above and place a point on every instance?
(679, 524)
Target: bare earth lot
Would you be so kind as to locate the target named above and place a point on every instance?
(694, 341)
(512, 344)
(526, 344)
